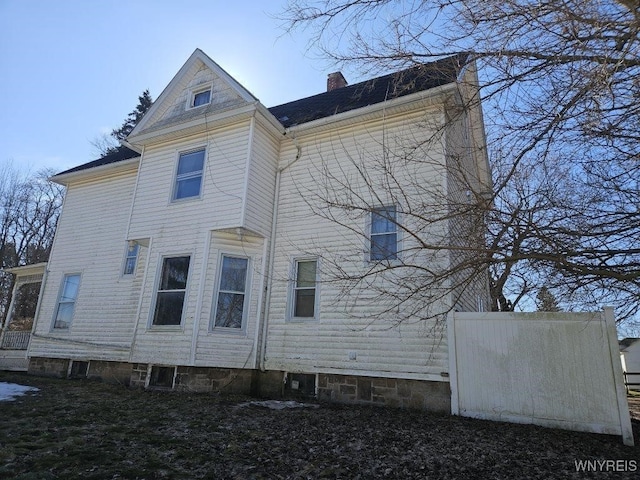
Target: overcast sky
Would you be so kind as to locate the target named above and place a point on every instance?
(71, 70)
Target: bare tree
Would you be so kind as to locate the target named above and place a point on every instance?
(29, 210)
(560, 89)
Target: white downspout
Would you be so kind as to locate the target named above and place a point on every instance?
(261, 302)
(272, 248)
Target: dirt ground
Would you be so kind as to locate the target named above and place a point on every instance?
(79, 429)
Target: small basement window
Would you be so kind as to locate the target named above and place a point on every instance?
(162, 377)
(79, 369)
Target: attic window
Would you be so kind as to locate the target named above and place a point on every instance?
(201, 98)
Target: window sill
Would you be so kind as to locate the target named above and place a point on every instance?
(235, 332)
(165, 328)
(302, 320)
(179, 201)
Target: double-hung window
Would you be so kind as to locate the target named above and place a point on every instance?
(189, 175)
(304, 290)
(232, 289)
(67, 301)
(384, 234)
(171, 291)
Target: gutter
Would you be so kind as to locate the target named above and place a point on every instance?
(123, 165)
(371, 109)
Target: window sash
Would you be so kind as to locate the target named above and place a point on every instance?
(232, 288)
(201, 98)
(383, 234)
(305, 289)
(189, 174)
(171, 292)
(67, 301)
(131, 258)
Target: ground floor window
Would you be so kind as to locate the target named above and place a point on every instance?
(67, 301)
(171, 291)
(231, 304)
(304, 291)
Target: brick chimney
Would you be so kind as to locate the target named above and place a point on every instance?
(335, 80)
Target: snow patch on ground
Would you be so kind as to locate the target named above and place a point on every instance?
(10, 391)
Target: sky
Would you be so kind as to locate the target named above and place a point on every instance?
(72, 70)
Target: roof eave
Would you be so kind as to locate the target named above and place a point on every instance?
(25, 270)
(110, 168)
(193, 127)
(431, 94)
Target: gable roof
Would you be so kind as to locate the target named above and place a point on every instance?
(627, 342)
(122, 153)
(198, 57)
(369, 92)
(377, 90)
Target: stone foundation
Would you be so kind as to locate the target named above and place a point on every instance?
(111, 372)
(48, 367)
(392, 392)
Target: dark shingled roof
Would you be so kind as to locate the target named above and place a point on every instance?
(395, 85)
(121, 154)
(377, 90)
(627, 342)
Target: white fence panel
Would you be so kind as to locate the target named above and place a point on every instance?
(558, 370)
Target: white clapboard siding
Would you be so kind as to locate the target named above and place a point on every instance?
(91, 240)
(215, 348)
(230, 347)
(220, 203)
(465, 185)
(380, 347)
(184, 228)
(261, 181)
(176, 104)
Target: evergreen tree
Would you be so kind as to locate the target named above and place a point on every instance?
(107, 144)
(546, 301)
(144, 103)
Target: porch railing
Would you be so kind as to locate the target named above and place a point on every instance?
(15, 340)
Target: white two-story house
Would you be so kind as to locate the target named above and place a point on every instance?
(232, 247)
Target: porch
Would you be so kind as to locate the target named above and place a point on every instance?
(15, 331)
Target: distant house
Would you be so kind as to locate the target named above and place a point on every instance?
(193, 258)
(630, 354)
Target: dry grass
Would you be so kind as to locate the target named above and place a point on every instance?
(79, 429)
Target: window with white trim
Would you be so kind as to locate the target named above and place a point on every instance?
(131, 258)
(67, 301)
(383, 235)
(304, 289)
(189, 174)
(201, 97)
(171, 291)
(232, 287)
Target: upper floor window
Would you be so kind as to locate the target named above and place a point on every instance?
(304, 290)
(132, 258)
(171, 291)
(67, 301)
(189, 175)
(231, 304)
(384, 234)
(201, 98)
